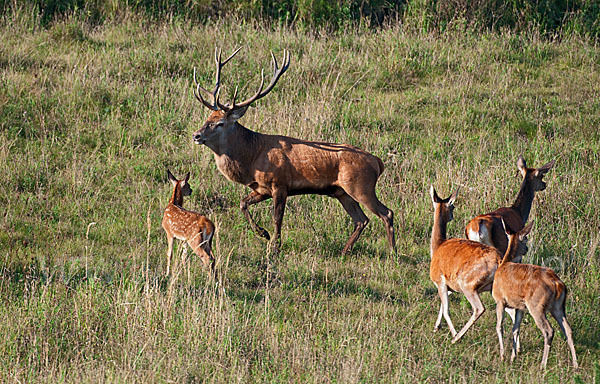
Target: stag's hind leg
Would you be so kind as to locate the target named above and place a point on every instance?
(384, 213)
(254, 198)
(358, 217)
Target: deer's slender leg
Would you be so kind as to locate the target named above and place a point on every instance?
(368, 198)
(254, 198)
(478, 309)
(279, 200)
(169, 252)
(358, 217)
(559, 314)
(499, 320)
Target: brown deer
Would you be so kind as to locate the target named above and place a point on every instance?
(189, 226)
(277, 167)
(459, 265)
(488, 228)
(532, 287)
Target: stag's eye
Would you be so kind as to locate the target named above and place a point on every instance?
(219, 124)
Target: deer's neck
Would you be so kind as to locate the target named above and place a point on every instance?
(524, 200)
(236, 142)
(438, 233)
(177, 197)
(511, 250)
(235, 150)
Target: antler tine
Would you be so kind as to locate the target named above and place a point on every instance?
(277, 72)
(215, 106)
(199, 96)
(231, 56)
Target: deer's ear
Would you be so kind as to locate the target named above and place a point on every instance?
(171, 178)
(452, 198)
(546, 167)
(236, 114)
(187, 177)
(522, 165)
(525, 231)
(434, 196)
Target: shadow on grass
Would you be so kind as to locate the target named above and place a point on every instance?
(337, 285)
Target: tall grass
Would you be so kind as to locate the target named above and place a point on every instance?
(548, 17)
(91, 116)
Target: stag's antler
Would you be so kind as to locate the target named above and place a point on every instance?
(215, 93)
(216, 105)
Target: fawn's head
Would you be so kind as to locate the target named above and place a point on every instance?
(519, 237)
(226, 115)
(445, 207)
(534, 175)
(180, 185)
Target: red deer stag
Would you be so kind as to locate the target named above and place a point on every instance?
(277, 167)
(186, 225)
(488, 228)
(459, 265)
(537, 289)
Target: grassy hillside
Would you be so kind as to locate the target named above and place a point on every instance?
(90, 118)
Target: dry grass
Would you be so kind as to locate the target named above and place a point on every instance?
(91, 118)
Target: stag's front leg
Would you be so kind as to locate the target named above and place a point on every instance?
(279, 200)
(254, 198)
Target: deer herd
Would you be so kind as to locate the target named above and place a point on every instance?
(276, 167)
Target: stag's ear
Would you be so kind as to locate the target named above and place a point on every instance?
(522, 165)
(187, 177)
(171, 178)
(236, 114)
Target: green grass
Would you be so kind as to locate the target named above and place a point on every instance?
(90, 118)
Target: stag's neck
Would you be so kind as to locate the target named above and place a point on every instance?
(438, 233)
(177, 197)
(236, 149)
(236, 142)
(524, 200)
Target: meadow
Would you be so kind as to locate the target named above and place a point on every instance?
(92, 116)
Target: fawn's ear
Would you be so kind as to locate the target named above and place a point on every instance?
(186, 178)
(522, 165)
(434, 196)
(525, 231)
(171, 178)
(452, 198)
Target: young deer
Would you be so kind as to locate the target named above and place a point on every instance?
(488, 228)
(458, 265)
(186, 225)
(532, 287)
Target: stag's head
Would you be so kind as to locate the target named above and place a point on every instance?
(224, 116)
(534, 175)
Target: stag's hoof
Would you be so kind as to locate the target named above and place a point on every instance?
(263, 233)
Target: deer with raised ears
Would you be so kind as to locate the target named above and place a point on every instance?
(189, 226)
(459, 265)
(277, 167)
(488, 228)
(532, 287)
